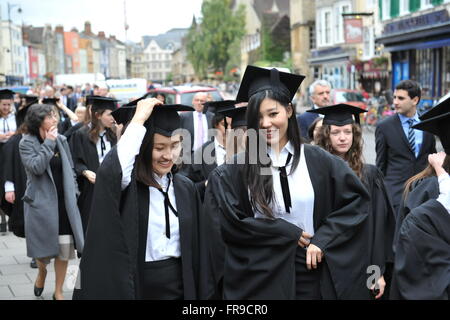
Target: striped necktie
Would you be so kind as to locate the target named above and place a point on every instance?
(412, 136)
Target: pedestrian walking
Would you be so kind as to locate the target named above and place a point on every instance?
(142, 241)
(401, 151)
(52, 221)
(422, 250)
(89, 146)
(282, 244)
(341, 135)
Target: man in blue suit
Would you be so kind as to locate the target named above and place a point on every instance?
(319, 93)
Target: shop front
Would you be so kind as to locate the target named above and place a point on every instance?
(420, 50)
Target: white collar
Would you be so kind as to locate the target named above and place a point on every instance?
(280, 160)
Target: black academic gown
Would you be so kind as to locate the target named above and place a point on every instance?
(422, 258)
(69, 133)
(199, 170)
(15, 172)
(380, 224)
(113, 254)
(85, 157)
(260, 254)
(421, 191)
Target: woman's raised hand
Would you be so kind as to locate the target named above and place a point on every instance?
(144, 109)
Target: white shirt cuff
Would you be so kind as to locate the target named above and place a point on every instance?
(444, 191)
(9, 186)
(128, 148)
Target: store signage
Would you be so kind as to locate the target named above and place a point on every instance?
(413, 23)
(353, 30)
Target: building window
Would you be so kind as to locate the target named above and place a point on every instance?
(404, 7)
(327, 27)
(426, 4)
(386, 9)
(312, 37)
(340, 9)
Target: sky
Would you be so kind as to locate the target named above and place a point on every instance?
(144, 17)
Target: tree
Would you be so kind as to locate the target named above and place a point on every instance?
(208, 44)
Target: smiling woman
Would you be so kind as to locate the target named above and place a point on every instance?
(145, 222)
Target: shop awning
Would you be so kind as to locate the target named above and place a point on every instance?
(419, 45)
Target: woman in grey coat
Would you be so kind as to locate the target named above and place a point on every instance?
(52, 219)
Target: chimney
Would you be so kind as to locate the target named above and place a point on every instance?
(59, 29)
(87, 28)
(74, 30)
(112, 37)
(101, 35)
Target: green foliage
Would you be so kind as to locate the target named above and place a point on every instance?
(209, 43)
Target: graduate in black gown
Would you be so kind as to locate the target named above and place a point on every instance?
(8, 127)
(89, 146)
(26, 102)
(341, 135)
(424, 185)
(212, 246)
(422, 248)
(291, 214)
(213, 152)
(142, 239)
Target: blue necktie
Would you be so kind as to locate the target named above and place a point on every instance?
(412, 136)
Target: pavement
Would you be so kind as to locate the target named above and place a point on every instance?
(17, 277)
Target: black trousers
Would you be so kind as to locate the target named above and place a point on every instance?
(163, 280)
(307, 281)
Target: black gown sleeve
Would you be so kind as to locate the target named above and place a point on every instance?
(260, 253)
(422, 259)
(105, 265)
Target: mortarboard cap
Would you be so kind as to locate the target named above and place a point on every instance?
(101, 103)
(163, 120)
(50, 101)
(238, 116)
(217, 106)
(339, 114)
(259, 79)
(440, 108)
(439, 126)
(29, 99)
(6, 94)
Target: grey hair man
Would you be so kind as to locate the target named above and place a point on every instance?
(320, 95)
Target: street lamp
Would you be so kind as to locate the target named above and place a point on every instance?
(10, 7)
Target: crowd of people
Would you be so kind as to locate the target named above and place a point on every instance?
(236, 199)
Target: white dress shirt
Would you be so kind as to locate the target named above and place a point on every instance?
(7, 124)
(444, 191)
(221, 153)
(159, 247)
(301, 189)
(205, 129)
(9, 186)
(99, 146)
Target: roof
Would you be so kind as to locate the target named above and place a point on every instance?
(265, 6)
(35, 35)
(172, 37)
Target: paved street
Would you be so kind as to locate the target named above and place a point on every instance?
(16, 276)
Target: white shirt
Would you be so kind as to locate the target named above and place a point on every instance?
(301, 189)
(221, 153)
(444, 190)
(99, 146)
(7, 124)
(205, 129)
(9, 186)
(159, 247)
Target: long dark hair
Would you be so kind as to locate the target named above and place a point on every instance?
(96, 127)
(427, 172)
(261, 186)
(354, 155)
(144, 161)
